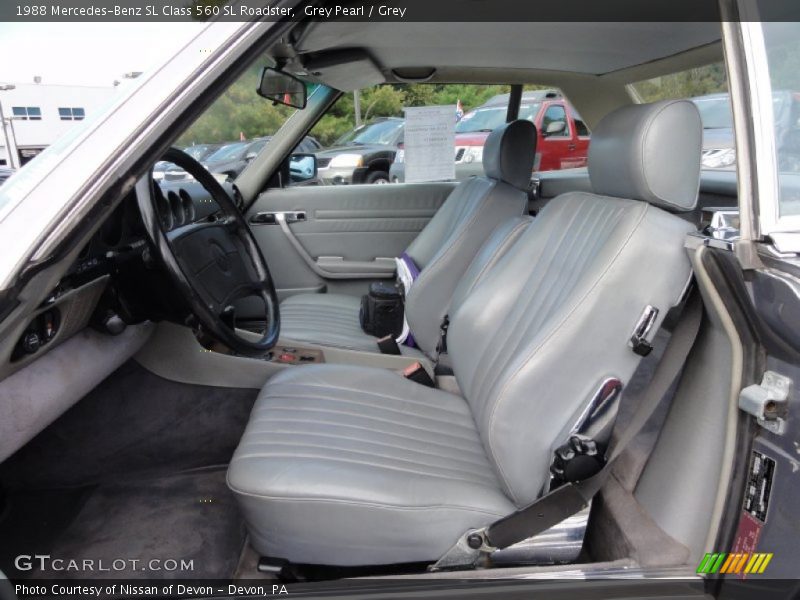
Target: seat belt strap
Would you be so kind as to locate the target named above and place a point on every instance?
(407, 273)
(563, 502)
(441, 345)
(570, 498)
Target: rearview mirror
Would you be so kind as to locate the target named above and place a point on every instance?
(282, 88)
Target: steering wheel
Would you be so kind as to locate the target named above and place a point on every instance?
(214, 262)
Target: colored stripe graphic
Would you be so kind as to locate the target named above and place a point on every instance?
(741, 562)
(729, 562)
(734, 563)
(703, 568)
(718, 563)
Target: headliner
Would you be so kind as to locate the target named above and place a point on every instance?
(595, 49)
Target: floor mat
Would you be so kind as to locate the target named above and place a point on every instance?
(182, 526)
(133, 425)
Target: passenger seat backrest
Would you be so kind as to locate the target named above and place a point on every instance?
(538, 335)
(446, 246)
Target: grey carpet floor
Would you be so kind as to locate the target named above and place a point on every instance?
(133, 472)
(189, 518)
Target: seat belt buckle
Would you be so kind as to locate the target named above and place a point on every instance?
(417, 373)
(639, 342)
(441, 345)
(576, 460)
(388, 345)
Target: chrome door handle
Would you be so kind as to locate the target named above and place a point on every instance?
(272, 218)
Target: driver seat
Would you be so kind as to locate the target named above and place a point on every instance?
(347, 465)
(442, 251)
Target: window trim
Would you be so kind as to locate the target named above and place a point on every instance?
(754, 125)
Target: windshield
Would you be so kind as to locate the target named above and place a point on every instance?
(382, 132)
(256, 147)
(488, 119)
(228, 152)
(197, 152)
(715, 113)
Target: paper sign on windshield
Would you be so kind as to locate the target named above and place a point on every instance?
(429, 143)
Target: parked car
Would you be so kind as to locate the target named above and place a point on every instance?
(563, 136)
(5, 173)
(164, 170)
(231, 159)
(362, 155)
(719, 150)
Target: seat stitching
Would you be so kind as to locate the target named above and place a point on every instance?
(368, 417)
(334, 400)
(272, 418)
(495, 257)
(553, 333)
(479, 453)
(475, 463)
(445, 464)
(304, 384)
(370, 504)
(321, 457)
(538, 268)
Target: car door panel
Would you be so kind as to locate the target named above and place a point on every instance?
(764, 499)
(347, 236)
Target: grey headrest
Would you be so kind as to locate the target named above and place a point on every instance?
(509, 152)
(649, 152)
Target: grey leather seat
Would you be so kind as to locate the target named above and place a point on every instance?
(442, 251)
(345, 465)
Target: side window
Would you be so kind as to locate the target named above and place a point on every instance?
(27, 113)
(363, 134)
(554, 122)
(580, 128)
(783, 58)
(71, 114)
(707, 87)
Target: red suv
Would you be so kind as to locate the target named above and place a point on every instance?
(563, 137)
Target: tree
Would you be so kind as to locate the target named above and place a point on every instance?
(382, 101)
(709, 79)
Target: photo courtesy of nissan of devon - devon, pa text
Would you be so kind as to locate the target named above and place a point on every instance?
(406, 299)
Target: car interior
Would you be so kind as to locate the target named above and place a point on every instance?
(191, 378)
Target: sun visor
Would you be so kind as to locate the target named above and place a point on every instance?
(345, 70)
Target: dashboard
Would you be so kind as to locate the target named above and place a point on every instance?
(63, 331)
(116, 280)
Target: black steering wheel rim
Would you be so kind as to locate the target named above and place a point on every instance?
(218, 250)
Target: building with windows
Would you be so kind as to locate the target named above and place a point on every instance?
(36, 114)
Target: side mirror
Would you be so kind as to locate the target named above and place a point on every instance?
(282, 88)
(250, 156)
(555, 128)
(302, 168)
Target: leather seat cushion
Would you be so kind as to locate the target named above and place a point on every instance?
(312, 318)
(361, 464)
